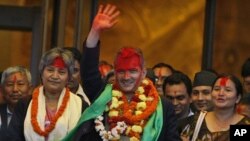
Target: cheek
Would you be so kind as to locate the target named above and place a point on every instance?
(194, 97)
(213, 94)
(7, 91)
(207, 97)
(65, 79)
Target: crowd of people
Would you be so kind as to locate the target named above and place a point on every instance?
(82, 98)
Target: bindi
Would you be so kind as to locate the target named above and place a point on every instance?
(160, 73)
(59, 62)
(175, 92)
(14, 79)
(223, 81)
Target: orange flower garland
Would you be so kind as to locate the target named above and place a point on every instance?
(34, 107)
(126, 110)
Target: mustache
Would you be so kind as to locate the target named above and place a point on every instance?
(127, 80)
(16, 94)
(54, 80)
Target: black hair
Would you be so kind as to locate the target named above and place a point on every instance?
(161, 64)
(245, 70)
(178, 78)
(76, 53)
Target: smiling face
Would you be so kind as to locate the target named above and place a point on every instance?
(54, 79)
(161, 73)
(224, 94)
(73, 84)
(128, 70)
(129, 74)
(201, 97)
(178, 95)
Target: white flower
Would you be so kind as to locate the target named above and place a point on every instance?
(99, 128)
(100, 118)
(141, 106)
(115, 133)
(122, 126)
(103, 132)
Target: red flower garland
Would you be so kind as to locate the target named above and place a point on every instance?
(34, 107)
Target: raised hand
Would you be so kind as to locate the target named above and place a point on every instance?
(106, 17)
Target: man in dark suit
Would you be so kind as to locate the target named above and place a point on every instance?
(15, 84)
(131, 108)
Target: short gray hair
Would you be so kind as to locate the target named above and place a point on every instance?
(49, 56)
(15, 69)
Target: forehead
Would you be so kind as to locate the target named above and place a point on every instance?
(246, 78)
(164, 71)
(17, 76)
(55, 67)
(176, 89)
(199, 88)
(228, 82)
(128, 63)
(76, 64)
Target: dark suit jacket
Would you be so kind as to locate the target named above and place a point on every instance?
(93, 86)
(4, 121)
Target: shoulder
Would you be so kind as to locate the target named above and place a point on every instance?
(188, 122)
(165, 102)
(75, 98)
(3, 106)
(245, 120)
(79, 101)
(3, 110)
(25, 101)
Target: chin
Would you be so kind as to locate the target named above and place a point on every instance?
(127, 90)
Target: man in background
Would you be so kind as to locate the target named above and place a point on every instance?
(177, 88)
(161, 71)
(74, 83)
(245, 73)
(202, 89)
(16, 84)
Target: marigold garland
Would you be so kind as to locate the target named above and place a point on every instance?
(126, 112)
(128, 108)
(34, 108)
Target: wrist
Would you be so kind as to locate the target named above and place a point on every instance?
(92, 38)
